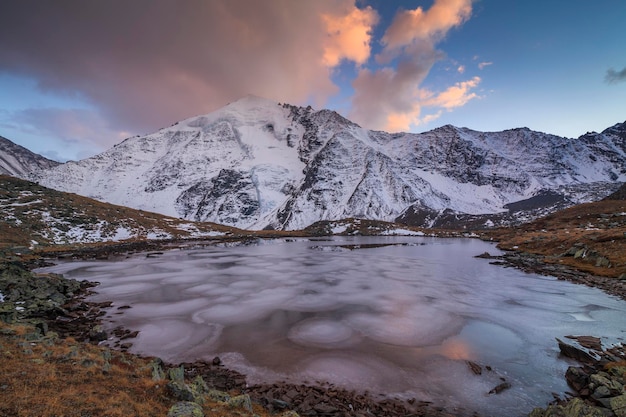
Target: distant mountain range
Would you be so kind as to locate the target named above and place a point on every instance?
(258, 164)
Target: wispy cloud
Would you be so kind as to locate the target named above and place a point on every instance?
(613, 77)
(391, 98)
(454, 96)
(67, 125)
(482, 65)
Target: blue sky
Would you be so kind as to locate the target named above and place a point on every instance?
(77, 77)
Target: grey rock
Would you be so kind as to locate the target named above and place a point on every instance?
(98, 334)
(241, 401)
(217, 395)
(185, 409)
(618, 405)
(157, 371)
(601, 392)
(180, 391)
(603, 262)
(574, 408)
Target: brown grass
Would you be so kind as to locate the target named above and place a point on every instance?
(600, 227)
(53, 377)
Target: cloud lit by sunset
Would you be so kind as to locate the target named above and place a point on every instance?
(349, 36)
(134, 67)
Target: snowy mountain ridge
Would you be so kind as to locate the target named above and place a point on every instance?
(258, 164)
(18, 161)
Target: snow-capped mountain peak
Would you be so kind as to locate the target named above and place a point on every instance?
(256, 163)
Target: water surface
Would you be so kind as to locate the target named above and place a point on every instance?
(399, 320)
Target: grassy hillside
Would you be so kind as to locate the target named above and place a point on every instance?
(34, 215)
(589, 237)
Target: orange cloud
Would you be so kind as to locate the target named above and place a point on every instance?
(391, 98)
(349, 36)
(398, 122)
(145, 64)
(411, 25)
(455, 96)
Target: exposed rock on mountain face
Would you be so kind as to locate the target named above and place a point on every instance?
(620, 194)
(258, 164)
(18, 161)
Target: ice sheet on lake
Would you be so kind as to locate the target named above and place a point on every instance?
(402, 319)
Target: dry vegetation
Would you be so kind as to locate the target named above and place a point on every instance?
(45, 376)
(59, 377)
(578, 237)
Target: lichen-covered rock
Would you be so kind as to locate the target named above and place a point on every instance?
(196, 391)
(602, 379)
(241, 401)
(177, 386)
(574, 408)
(219, 396)
(199, 387)
(33, 295)
(185, 409)
(157, 371)
(577, 378)
(618, 405)
(177, 375)
(8, 314)
(97, 334)
(290, 414)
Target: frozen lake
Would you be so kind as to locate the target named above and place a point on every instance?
(400, 320)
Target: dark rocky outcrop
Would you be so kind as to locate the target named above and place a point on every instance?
(26, 294)
(598, 383)
(620, 194)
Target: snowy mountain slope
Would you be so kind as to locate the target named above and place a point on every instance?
(233, 166)
(258, 164)
(34, 215)
(18, 161)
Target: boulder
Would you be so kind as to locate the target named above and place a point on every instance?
(97, 334)
(185, 409)
(574, 353)
(241, 401)
(219, 396)
(618, 405)
(574, 408)
(157, 370)
(577, 378)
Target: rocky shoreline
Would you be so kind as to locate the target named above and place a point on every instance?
(536, 264)
(53, 303)
(598, 382)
